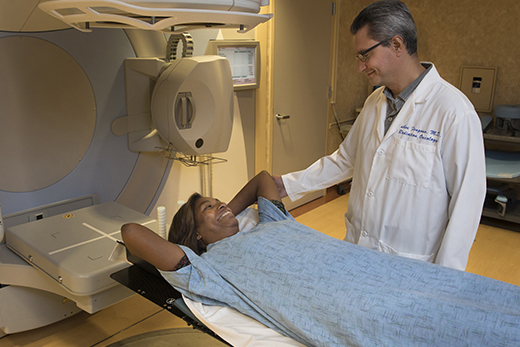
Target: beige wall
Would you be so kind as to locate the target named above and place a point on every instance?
(451, 34)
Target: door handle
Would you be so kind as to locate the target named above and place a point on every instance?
(284, 116)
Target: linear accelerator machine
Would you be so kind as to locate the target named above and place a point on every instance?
(57, 266)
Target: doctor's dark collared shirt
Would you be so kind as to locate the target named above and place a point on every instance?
(395, 104)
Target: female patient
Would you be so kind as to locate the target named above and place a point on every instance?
(319, 290)
(199, 222)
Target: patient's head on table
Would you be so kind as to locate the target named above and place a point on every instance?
(202, 221)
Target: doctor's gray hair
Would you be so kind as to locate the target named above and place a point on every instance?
(385, 19)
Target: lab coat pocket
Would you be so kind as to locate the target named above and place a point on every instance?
(352, 236)
(383, 247)
(412, 163)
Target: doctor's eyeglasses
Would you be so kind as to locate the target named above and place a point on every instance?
(363, 55)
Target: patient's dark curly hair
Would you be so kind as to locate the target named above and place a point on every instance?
(183, 230)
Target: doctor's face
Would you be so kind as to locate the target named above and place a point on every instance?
(214, 219)
(377, 61)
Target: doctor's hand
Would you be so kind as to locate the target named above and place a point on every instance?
(280, 186)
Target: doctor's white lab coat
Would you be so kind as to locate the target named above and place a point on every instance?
(417, 191)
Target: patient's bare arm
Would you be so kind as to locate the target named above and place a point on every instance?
(147, 245)
(261, 185)
(281, 187)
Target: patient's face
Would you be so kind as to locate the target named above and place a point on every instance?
(215, 221)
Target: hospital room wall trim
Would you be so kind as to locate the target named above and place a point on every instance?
(264, 96)
(333, 137)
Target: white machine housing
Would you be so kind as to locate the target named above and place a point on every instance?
(166, 15)
(29, 296)
(192, 105)
(74, 248)
(186, 105)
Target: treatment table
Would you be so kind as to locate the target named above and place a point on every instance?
(65, 259)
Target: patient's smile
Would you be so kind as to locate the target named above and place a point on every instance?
(224, 214)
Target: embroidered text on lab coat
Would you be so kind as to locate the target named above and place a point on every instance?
(421, 134)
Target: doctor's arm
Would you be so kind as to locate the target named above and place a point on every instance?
(465, 172)
(328, 170)
(325, 172)
(147, 245)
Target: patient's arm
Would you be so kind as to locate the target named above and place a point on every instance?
(281, 187)
(147, 245)
(261, 185)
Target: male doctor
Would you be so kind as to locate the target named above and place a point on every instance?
(415, 153)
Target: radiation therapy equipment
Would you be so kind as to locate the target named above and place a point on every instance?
(185, 105)
(191, 105)
(73, 248)
(163, 15)
(244, 60)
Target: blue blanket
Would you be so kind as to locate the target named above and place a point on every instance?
(325, 292)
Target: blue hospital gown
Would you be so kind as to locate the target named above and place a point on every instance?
(321, 291)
